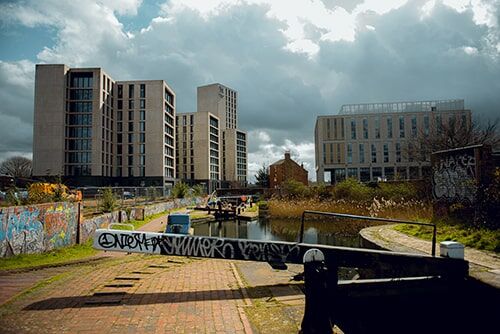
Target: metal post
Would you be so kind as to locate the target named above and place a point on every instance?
(301, 236)
(317, 309)
(434, 237)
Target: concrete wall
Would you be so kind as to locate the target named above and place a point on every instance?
(43, 227)
(37, 228)
(88, 226)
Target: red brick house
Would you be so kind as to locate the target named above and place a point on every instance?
(286, 169)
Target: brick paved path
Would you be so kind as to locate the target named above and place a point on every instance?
(134, 294)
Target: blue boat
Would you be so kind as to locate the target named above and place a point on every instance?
(178, 223)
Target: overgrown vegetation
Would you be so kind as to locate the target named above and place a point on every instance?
(180, 190)
(109, 202)
(198, 190)
(389, 200)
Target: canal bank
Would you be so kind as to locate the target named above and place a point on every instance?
(483, 266)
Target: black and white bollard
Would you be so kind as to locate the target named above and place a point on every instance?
(317, 309)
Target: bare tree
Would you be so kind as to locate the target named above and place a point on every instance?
(16, 167)
(454, 135)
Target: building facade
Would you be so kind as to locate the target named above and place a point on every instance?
(379, 141)
(95, 131)
(199, 150)
(211, 150)
(286, 169)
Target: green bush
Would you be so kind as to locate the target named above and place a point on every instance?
(198, 190)
(352, 189)
(108, 200)
(180, 190)
(296, 189)
(397, 190)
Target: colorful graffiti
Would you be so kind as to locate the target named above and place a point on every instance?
(37, 228)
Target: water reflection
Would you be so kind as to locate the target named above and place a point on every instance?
(326, 233)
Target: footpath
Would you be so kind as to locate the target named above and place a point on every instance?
(483, 266)
(136, 293)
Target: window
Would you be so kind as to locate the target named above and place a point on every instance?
(142, 149)
(377, 127)
(120, 104)
(414, 126)
(130, 126)
(365, 128)
(386, 152)
(130, 115)
(119, 115)
(131, 104)
(130, 137)
(353, 129)
(349, 153)
(398, 152)
(142, 137)
(142, 115)
(142, 126)
(143, 91)
(362, 153)
(130, 91)
(401, 127)
(142, 104)
(120, 91)
(374, 153)
(439, 124)
(426, 125)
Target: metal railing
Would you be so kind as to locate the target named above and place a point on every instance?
(389, 220)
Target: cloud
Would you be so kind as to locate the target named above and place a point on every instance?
(289, 61)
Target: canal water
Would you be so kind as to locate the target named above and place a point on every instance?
(328, 232)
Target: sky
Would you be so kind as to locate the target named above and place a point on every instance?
(290, 61)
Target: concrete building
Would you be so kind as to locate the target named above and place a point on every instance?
(211, 149)
(95, 131)
(379, 141)
(220, 101)
(286, 169)
(198, 146)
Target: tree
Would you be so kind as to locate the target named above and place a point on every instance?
(456, 134)
(262, 176)
(16, 167)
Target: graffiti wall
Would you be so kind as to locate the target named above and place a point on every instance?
(89, 226)
(37, 228)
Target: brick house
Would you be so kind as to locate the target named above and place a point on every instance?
(286, 169)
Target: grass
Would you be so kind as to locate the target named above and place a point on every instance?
(478, 238)
(139, 223)
(56, 256)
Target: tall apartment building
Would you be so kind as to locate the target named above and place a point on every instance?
(376, 141)
(95, 131)
(212, 137)
(220, 101)
(198, 146)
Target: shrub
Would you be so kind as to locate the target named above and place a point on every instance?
(354, 190)
(198, 190)
(180, 190)
(397, 190)
(108, 200)
(296, 189)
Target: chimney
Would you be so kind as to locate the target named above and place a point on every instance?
(287, 155)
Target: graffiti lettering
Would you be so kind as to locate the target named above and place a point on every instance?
(454, 179)
(169, 244)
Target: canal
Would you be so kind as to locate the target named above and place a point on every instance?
(333, 232)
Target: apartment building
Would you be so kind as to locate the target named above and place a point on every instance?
(379, 141)
(198, 145)
(210, 147)
(95, 131)
(220, 101)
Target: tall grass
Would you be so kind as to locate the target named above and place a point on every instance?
(398, 209)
